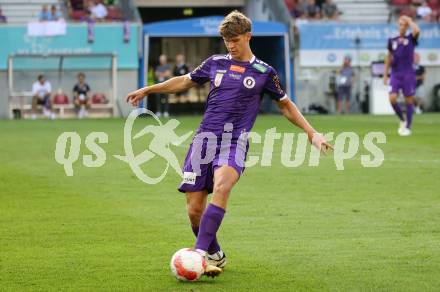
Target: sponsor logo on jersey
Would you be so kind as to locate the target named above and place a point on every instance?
(238, 69)
(189, 178)
(276, 82)
(249, 82)
(218, 79)
(221, 71)
(259, 67)
(235, 76)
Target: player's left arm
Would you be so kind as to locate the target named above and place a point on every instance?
(414, 27)
(291, 112)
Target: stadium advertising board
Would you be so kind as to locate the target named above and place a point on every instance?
(326, 44)
(107, 38)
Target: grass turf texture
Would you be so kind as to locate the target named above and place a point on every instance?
(305, 228)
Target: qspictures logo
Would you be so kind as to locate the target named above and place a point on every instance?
(207, 147)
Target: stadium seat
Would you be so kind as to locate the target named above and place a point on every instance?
(401, 2)
(113, 13)
(99, 98)
(77, 14)
(61, 99)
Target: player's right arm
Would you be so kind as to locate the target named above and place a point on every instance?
(388, 59)
(172, 85)
(200, 75)
(387, 68)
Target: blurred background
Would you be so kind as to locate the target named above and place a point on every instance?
(117, 46)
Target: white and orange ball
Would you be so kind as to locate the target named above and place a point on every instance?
(187, 265)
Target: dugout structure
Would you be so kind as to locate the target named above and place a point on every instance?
(61, 71)
(198, 38)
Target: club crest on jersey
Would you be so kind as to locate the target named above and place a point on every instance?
(238, 69)
(249, 82)
(218, 79)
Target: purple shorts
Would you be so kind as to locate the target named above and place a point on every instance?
(204, 157)
(405, 82)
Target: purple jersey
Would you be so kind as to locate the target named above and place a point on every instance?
(236, 89)
(234, 99)
(402, 51)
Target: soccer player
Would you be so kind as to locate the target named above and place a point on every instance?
(401, 59)
(237, 82)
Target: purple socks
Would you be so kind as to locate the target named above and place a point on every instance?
(213, 247)
(209, 225)
(409, 114)
(397, 110)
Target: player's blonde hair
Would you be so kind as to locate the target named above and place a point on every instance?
(234, 24)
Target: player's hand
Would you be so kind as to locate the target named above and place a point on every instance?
(134, 97)
(385, 80)
(406, 18)
(319, 141)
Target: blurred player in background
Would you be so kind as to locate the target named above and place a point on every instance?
(41, 91)
(345, 84)
(162, 73)
(237, 82)
(81, 96)
(400, 59)
(180, 69)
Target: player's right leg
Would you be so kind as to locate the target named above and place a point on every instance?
(34, 107)
(196, 204)
(398, 111)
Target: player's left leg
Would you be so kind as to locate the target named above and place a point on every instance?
(409, 115)
(225, 178)
(409, 89)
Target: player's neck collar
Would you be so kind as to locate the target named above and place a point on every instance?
(250, 61)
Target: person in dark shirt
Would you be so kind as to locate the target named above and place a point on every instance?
(81, 96)
(312, 10)
(2, 17)
(420, 95)
(162, 73)
(180, 69)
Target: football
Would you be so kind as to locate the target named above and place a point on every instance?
(187, 265)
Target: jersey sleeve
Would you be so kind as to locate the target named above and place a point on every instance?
(389, 46)
(202, 74)
(49, 87)
(34, 89)
(414, 39)
(273, 86)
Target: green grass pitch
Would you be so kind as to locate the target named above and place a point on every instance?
(285, 229)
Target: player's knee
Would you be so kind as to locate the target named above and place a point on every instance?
(195, 210)
(393, 98)
(222, 187)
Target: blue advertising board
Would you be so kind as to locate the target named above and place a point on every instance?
(326, 44)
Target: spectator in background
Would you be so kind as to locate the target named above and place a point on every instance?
(54, 14)
(41, 90)
(345, 83)
(44, 14)
(330, 10)
(2, 17)
(81, 96)
(162, 73)
(420, 88)
(97, 10)
(424, 12)
(300, 8)
(180, 69)
(312, 10)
